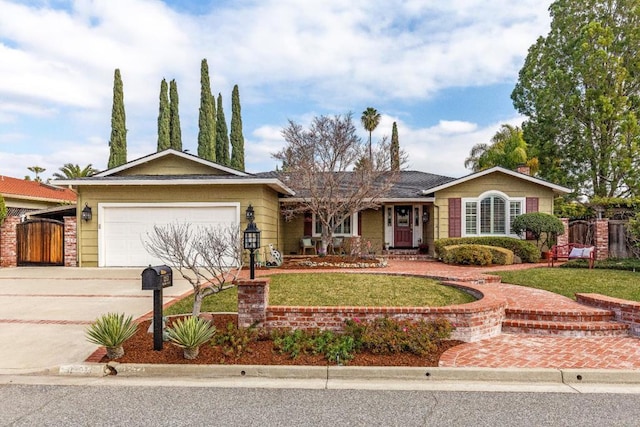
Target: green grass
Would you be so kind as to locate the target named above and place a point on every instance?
(569, 281)
(339, 289)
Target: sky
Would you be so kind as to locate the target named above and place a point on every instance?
(442, 70)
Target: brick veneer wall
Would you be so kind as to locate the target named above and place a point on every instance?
(602, 239)
(8, 242)
(563, 239)
(70, 242)
(625, 311)
(474, 321)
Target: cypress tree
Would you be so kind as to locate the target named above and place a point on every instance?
(395, 149)
(164, 141)
(174, 120)
(206, 126)
(118, 140)
(237, 139)
(222, 137)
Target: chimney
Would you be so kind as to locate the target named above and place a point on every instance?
(523, 169)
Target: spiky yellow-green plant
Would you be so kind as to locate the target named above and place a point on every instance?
(112, 330)
(190, 333)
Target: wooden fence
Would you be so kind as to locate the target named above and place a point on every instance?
(582, 231)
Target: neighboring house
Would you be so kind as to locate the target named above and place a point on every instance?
(127, 201)
(23, 197)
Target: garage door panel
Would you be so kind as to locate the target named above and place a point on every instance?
(123, 229)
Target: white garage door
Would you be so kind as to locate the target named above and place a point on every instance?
(124, 226)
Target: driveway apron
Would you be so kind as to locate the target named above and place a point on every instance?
(44, 311)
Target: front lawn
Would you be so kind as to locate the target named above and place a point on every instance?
(339, 289)
(569, 281)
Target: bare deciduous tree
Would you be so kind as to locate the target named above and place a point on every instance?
(329, 169)
(209, 258)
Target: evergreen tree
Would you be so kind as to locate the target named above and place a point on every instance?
(579, 90)
(118, 140)
(222, 137)
(237, 139)
(174, 119)
(206, 119)
(395, 148)
(3, 209)
(37, 170)
(164, 140)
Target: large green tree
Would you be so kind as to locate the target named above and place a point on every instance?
(237, 139)
(207, 118)
(370, 120)
(118, 140)
(174, 120)
(579, 90)
(395, 148)
(69, 170)
(164, 116)
(507, 149)
(36, 170)
(222, 136)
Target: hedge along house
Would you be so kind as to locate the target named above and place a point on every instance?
(421, 208)
(169, 186)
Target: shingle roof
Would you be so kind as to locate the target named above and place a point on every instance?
(19, 188)
(410, 184)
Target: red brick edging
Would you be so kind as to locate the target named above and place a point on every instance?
(627, 312)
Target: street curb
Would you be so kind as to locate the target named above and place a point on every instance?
(430, 374)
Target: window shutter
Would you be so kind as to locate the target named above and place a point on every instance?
(455, 217)
(532, 206)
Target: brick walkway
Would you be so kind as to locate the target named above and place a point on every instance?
(520, 350)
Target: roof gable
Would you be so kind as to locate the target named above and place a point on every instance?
(170, 162)
(497, 169)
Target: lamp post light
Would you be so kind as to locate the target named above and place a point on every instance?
(251, 240)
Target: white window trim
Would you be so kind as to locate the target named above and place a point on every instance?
(477, 200)
(354, 227)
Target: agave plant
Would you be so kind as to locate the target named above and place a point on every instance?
(112, 330)
(190, 333)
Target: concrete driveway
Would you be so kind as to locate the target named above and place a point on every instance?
(44, 311)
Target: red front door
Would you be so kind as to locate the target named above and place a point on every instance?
(402, 230)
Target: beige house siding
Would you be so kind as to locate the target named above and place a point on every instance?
(293, 231)
(511, 186)
(171, 165)
(372, 223)
(263, 199)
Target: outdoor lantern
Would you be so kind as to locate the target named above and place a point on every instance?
(425, 215)
(86, 213)
(251, 239)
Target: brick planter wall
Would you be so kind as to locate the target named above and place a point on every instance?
(70, 242)
(8, 242)
(625, 311)
(474, 321)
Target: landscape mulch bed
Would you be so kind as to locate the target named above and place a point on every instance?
(139, 349)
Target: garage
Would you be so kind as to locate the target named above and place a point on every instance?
(122, 227)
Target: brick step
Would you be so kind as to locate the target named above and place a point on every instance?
(586, 315)
(567, 329)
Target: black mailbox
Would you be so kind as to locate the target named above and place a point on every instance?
(157, 277)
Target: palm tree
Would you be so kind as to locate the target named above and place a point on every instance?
(370, 120)
(37, 170)
(507, 149)
(70, 170)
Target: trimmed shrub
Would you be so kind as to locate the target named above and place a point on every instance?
(544, 227)
(467, 255)
(500, 256)
(526, 251)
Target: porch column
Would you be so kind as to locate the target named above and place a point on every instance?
(8, 242)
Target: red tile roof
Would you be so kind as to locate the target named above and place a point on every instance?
(19, 188)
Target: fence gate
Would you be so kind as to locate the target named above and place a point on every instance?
(618, 239)
(581, 231)
(40, 242)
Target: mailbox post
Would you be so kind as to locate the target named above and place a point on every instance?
(157, 278)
